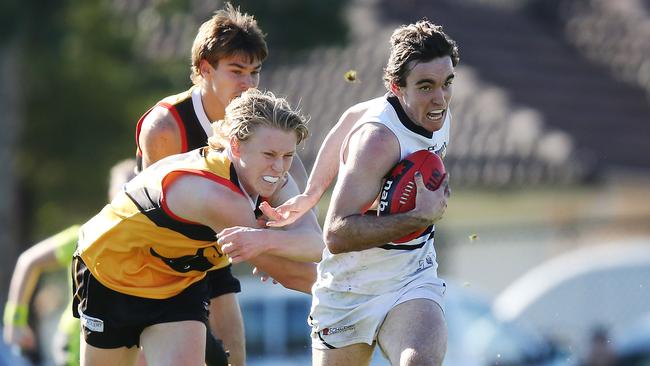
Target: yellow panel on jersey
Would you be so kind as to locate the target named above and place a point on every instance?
(138, 247)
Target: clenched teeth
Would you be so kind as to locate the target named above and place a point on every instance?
(270, 179)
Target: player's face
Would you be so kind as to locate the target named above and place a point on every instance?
(264, 159)
(427, 93)
(232, 76)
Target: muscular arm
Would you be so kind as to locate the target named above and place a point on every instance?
(327, 162)
(299, 276)
(372, 151)
(302, 241)
(307, 237)
(233, 210)
(322, 174)
(159, 136)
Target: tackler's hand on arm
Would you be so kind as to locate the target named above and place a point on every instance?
(288, 212)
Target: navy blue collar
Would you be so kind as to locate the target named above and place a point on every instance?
(406, 121)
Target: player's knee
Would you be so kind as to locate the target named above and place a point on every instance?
(423, 357)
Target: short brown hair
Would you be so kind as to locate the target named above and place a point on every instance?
(253, 109)
(227, 33)
(422, 41)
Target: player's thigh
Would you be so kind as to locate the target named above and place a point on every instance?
(174, 343)
(414, 333)
(225, 316)
(222, 290)
(94, 356)
(358, 354)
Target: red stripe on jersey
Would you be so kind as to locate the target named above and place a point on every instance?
(179, 122)
(175, 174)
(138, 129)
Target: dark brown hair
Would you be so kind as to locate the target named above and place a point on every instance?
(227, 33)
(422, 41)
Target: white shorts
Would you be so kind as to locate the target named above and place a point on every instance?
(340, 319)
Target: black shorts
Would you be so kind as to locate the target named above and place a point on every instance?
(110, 319)
(221, 282)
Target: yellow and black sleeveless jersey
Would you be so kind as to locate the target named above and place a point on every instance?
(138, 247)
(181, 107)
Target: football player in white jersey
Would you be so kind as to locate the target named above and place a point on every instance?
(370, 291)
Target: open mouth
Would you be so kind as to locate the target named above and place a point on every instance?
(436, 114)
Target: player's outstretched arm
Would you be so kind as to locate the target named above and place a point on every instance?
(301, 241)
(31, 263)
(233, 210)
(322, 174)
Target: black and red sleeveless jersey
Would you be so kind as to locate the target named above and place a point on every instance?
(183, 109)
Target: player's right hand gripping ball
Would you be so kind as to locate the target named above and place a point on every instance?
(399, 191)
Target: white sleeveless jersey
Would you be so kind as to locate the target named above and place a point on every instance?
(388, 267)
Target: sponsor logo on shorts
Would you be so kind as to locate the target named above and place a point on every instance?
(92, 324)
(334, 330)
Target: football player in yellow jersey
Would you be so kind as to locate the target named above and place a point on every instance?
(139, 271)
(227, 56)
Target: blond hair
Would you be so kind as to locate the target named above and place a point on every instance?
(253, 109)
(227, 33)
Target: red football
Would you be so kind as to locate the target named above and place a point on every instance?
(399, 191)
